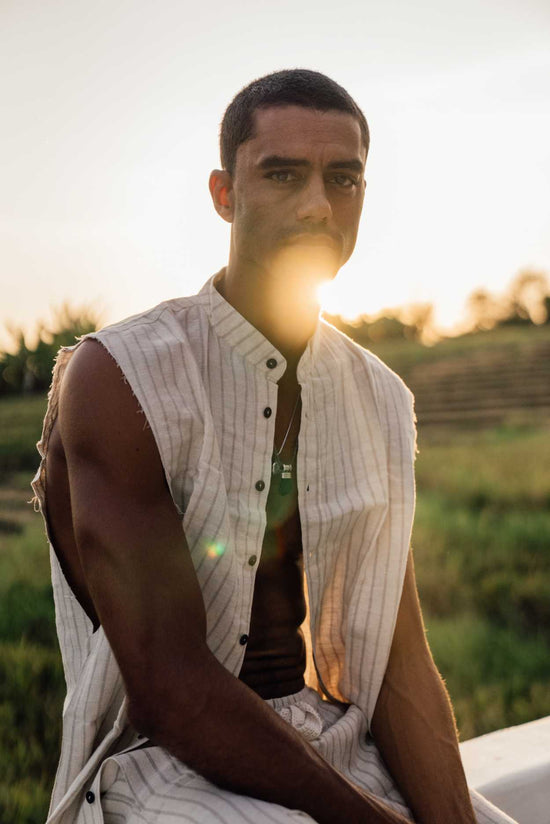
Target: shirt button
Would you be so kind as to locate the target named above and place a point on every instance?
(243, 640)
(252, 560)
(267, 412)
(260, 486)
(271, 363)
(90, 797)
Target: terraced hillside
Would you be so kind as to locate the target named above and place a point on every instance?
(484, 379)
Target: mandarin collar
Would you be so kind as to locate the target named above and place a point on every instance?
(238, 333)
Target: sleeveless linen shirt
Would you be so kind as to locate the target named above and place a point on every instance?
(203, 376)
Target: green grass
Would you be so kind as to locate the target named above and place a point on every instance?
(496, 468)
(32, 686)
(475, 550)
(31, 695)
(496, 677)
(23, 556)
(24, 801)
(483, 527)
(402, 356)
(482, 551)
(21, 426)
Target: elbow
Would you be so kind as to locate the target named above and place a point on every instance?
(141, 718)
(153, 716)
(165, 703)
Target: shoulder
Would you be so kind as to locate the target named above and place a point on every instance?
(384, 380)
(103, 428)
(391, 399)
(98, 390)
(139, 348)
(94, 395)
(170, 315)
(99, 372)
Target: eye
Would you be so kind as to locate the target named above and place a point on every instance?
(282, 176)
(345, 181)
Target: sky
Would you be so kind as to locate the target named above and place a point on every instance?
(111, 113)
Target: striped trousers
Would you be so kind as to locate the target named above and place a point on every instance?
(150, 786)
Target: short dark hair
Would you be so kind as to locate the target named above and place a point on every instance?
(290, 87)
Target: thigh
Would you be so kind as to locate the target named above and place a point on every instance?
(150, 786)
(346, 745)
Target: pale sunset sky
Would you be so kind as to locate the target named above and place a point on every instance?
(110, 122)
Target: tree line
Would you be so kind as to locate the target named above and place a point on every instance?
(525, 301)
(27, 368)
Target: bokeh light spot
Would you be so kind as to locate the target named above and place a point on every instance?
(215, 549)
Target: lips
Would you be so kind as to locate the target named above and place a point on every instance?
(312, 239)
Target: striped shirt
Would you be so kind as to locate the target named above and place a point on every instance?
(203, 376)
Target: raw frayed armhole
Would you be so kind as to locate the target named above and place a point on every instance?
(61, 362)
(38, 483)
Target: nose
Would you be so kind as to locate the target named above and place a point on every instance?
(314, 204)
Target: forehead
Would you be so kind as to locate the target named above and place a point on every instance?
(297, 132)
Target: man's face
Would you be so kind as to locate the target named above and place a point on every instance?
(298, 191)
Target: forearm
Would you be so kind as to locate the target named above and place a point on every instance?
(416, 735)
(234, 739)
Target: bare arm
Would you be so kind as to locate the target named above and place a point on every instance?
(141, 578)
(413, 723)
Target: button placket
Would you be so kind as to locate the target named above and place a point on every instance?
(267, 412)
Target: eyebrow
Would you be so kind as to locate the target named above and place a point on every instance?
(269, 162)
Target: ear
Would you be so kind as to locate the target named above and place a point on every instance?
(221, 190)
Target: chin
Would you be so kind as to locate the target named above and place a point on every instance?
(309, 264)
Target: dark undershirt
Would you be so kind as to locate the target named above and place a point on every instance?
(275, 659)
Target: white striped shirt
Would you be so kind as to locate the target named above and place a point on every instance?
(203, 376)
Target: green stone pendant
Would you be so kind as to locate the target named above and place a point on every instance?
(285, 472)
(285, 485)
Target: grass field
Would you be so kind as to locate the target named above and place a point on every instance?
(482, 550)
(402, 356)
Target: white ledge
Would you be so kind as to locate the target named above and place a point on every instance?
(511, 768)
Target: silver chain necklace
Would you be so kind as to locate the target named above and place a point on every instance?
(285, 469)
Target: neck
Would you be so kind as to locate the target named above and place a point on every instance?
(285, 311)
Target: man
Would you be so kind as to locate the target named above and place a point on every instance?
(281, 448)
